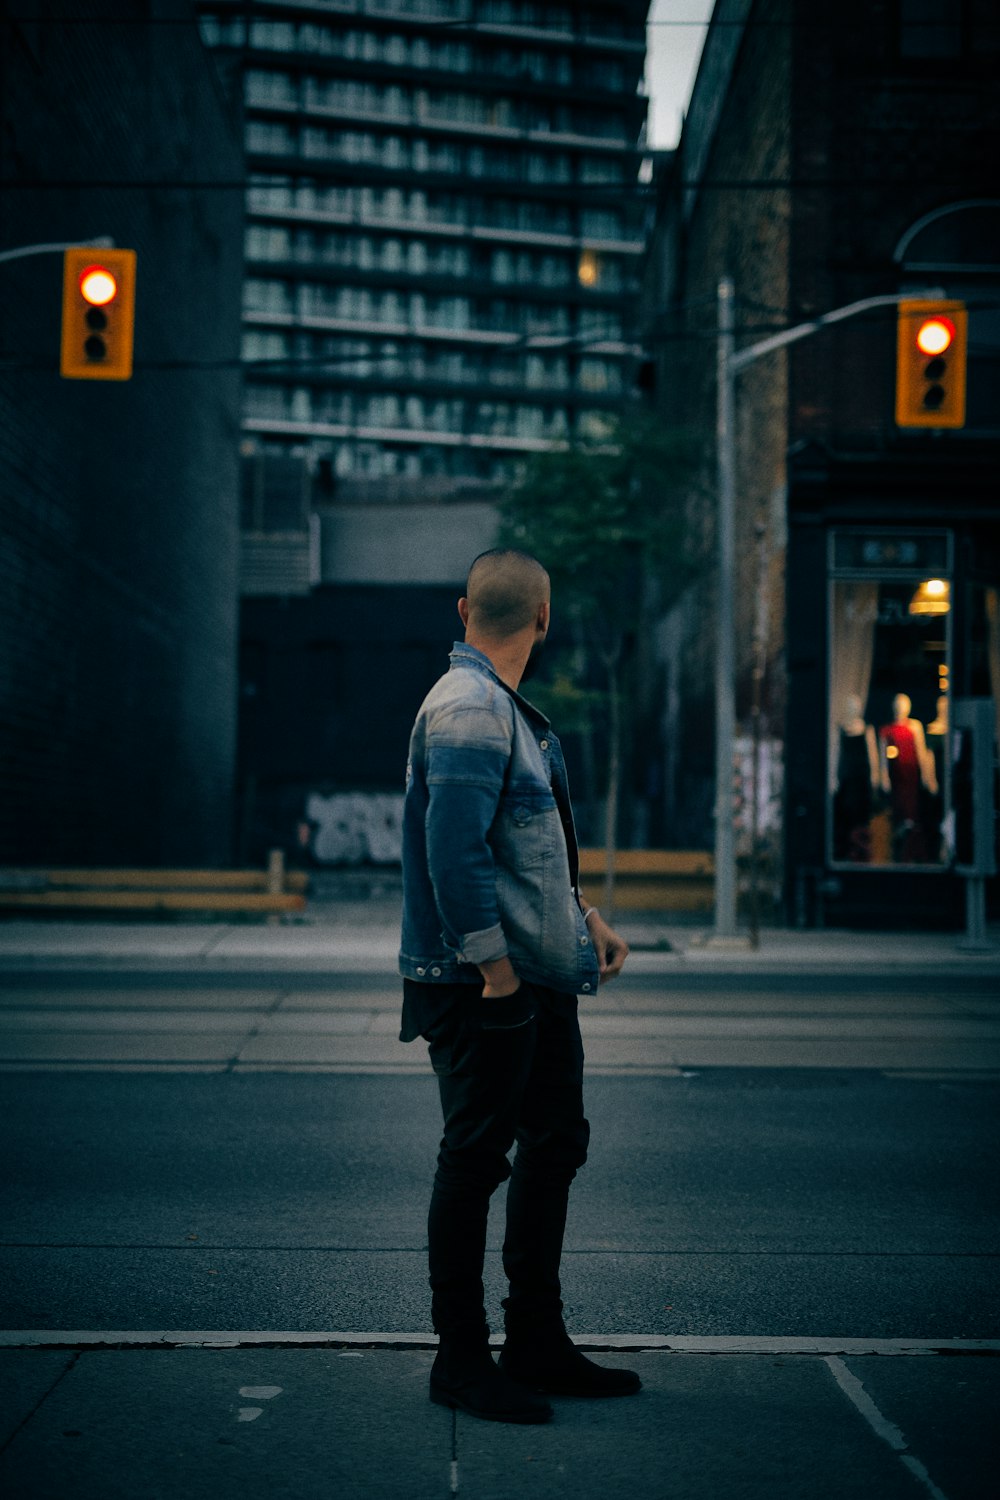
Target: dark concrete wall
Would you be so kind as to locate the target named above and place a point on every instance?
(744, 233)
(879, 140)
(118, 504)
(330, 686)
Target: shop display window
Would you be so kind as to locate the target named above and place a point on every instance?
(889, 802)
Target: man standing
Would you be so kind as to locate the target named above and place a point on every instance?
(497, 944)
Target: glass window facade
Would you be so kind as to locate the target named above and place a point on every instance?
(889, 745)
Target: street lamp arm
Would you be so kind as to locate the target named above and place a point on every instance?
(102, 242)
(752, 352)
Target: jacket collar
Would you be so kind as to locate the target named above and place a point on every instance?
(464, 655)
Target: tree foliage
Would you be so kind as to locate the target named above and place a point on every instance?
(606, 518)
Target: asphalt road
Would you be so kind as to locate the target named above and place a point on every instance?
(812, 1200)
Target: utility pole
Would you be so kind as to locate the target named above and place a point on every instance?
(729, 363)
(725, 696)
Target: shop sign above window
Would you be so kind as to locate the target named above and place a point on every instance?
(886, 553)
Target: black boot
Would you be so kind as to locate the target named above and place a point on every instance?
(551, 1362)
(464, 1376)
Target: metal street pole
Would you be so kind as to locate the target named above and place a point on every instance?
(725, 695)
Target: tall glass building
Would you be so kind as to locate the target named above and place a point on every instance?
(443, 230)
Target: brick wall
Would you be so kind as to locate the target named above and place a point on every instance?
(118, 505)
(745, 234)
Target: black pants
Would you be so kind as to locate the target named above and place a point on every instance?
(498, 1087)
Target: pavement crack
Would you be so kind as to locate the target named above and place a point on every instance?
(214, 941)
(255, 1030)
(12, 1436)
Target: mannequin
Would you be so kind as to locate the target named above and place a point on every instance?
(858, 776)
(939, 724)
(937, 740)
(907, 766)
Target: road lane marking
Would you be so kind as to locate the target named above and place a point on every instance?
(651, 1343)
(890, 1434)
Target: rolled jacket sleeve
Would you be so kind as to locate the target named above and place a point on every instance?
(467, 755)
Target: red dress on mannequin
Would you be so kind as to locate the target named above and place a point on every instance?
(904, 790)
(904, 770)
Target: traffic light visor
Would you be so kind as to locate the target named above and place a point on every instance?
(935, 335)
(98, 286)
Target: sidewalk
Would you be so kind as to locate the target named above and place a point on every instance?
(363, 937)
(308, 1422)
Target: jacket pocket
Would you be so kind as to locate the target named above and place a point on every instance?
(526, 828)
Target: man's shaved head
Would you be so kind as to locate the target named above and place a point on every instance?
(505, 590)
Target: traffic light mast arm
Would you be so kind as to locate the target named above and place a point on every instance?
(752, 352)
(103, 242)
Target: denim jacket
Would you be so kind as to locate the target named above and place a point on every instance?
(490, 858)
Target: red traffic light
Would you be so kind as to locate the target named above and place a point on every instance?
(931, 347)
(934, 336)
(98, 314)
(98, 286)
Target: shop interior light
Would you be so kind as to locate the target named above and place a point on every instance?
(932, 597)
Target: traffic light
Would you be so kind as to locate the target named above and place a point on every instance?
(931, 340)
(98, 314)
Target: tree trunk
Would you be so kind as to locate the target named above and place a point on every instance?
(614, 778)
(591, 799)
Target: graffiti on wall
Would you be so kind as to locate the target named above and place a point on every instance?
(771, 790)
(356, 828)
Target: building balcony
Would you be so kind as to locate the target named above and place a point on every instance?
(410, 437)
(426, 229)
(580, 32)
(309, 372)
(513, 339)
(624, 98)
(474, 283)
(336, 170)
(430, 125)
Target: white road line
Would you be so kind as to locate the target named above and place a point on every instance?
(651, 1343)
(880, 1425)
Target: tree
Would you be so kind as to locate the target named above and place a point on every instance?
(605, 517)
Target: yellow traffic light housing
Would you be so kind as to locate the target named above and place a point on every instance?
(98, 314)
(931, 342)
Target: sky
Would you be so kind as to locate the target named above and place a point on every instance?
(672, 53)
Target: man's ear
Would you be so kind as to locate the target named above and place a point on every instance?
(544, 613)
(463, 611)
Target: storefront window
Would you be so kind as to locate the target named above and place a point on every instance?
(890, 664)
